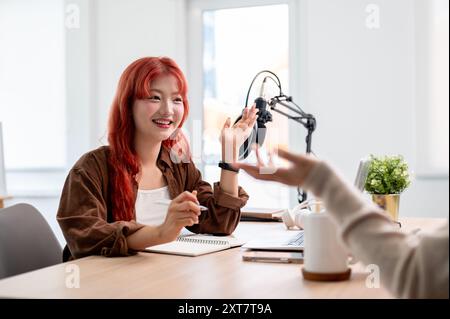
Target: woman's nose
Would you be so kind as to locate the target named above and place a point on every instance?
(167, 107)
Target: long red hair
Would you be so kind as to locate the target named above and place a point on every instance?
(124, 163)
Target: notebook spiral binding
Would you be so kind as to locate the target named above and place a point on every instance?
(202, 241)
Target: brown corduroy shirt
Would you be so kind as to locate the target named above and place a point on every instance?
(85, 210)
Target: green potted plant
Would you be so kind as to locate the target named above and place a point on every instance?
(387, 178)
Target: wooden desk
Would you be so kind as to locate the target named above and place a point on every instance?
(218, 275)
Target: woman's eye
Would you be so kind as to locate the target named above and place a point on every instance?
(178, 100)
(154, 98)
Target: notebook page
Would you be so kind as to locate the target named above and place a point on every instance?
(195, 245)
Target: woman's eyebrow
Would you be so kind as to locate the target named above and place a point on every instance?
(162, 92)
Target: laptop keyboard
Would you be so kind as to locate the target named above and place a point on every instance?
(297, 240)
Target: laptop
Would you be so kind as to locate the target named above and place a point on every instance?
(291, 240)
(294, 241)
(361, 174)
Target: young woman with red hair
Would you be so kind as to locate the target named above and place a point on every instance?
(109, 204)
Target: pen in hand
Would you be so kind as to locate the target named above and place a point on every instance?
(168, 201)
(202, 208)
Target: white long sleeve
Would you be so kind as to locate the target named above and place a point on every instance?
(411, 266)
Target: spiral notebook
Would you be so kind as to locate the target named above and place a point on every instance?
(196, 245)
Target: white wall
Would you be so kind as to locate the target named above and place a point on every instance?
(111, 34)
(360, 84)
(126, 31)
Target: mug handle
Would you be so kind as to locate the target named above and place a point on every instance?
(352, 259)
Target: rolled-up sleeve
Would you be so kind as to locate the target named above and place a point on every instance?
(82, 216)
(224, 209)
(229, 201)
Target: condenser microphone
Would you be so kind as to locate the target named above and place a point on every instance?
(261, 104)
(259, 130)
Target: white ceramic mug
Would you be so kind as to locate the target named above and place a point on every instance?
(324, 251)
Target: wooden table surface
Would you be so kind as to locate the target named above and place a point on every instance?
(217, 275)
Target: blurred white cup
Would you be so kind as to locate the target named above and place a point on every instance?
(324, 251)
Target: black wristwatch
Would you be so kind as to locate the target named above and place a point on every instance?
(228, 167)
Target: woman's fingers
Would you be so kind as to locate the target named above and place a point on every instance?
(244, 115)
(248, 114)
(227, 123)
(187, 214)
(186, 196)
(180, 214)
(254, 171)
(281, 175)
(258, 155)
(189, 206)
(248, 119)
(253, 116)
(295, 175)
(183, 222)
(289, 156)
(196, 199)
(242, 130)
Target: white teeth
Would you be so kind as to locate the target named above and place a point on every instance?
(162, 122)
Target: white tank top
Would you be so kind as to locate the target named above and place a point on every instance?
(147, 211)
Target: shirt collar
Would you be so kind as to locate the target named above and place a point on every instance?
(164, 157)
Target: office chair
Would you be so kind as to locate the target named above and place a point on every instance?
(26, 241)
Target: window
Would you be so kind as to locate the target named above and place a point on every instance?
(432, 87)
(32, 84)
(237, 43)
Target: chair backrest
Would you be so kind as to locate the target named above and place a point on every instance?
(26, 241)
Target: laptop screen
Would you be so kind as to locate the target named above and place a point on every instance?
(361, 174)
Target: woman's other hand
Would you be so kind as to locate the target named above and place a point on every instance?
(295, 175)
(232, 137)
(183, 211)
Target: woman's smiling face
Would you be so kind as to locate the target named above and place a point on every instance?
(159, 115)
